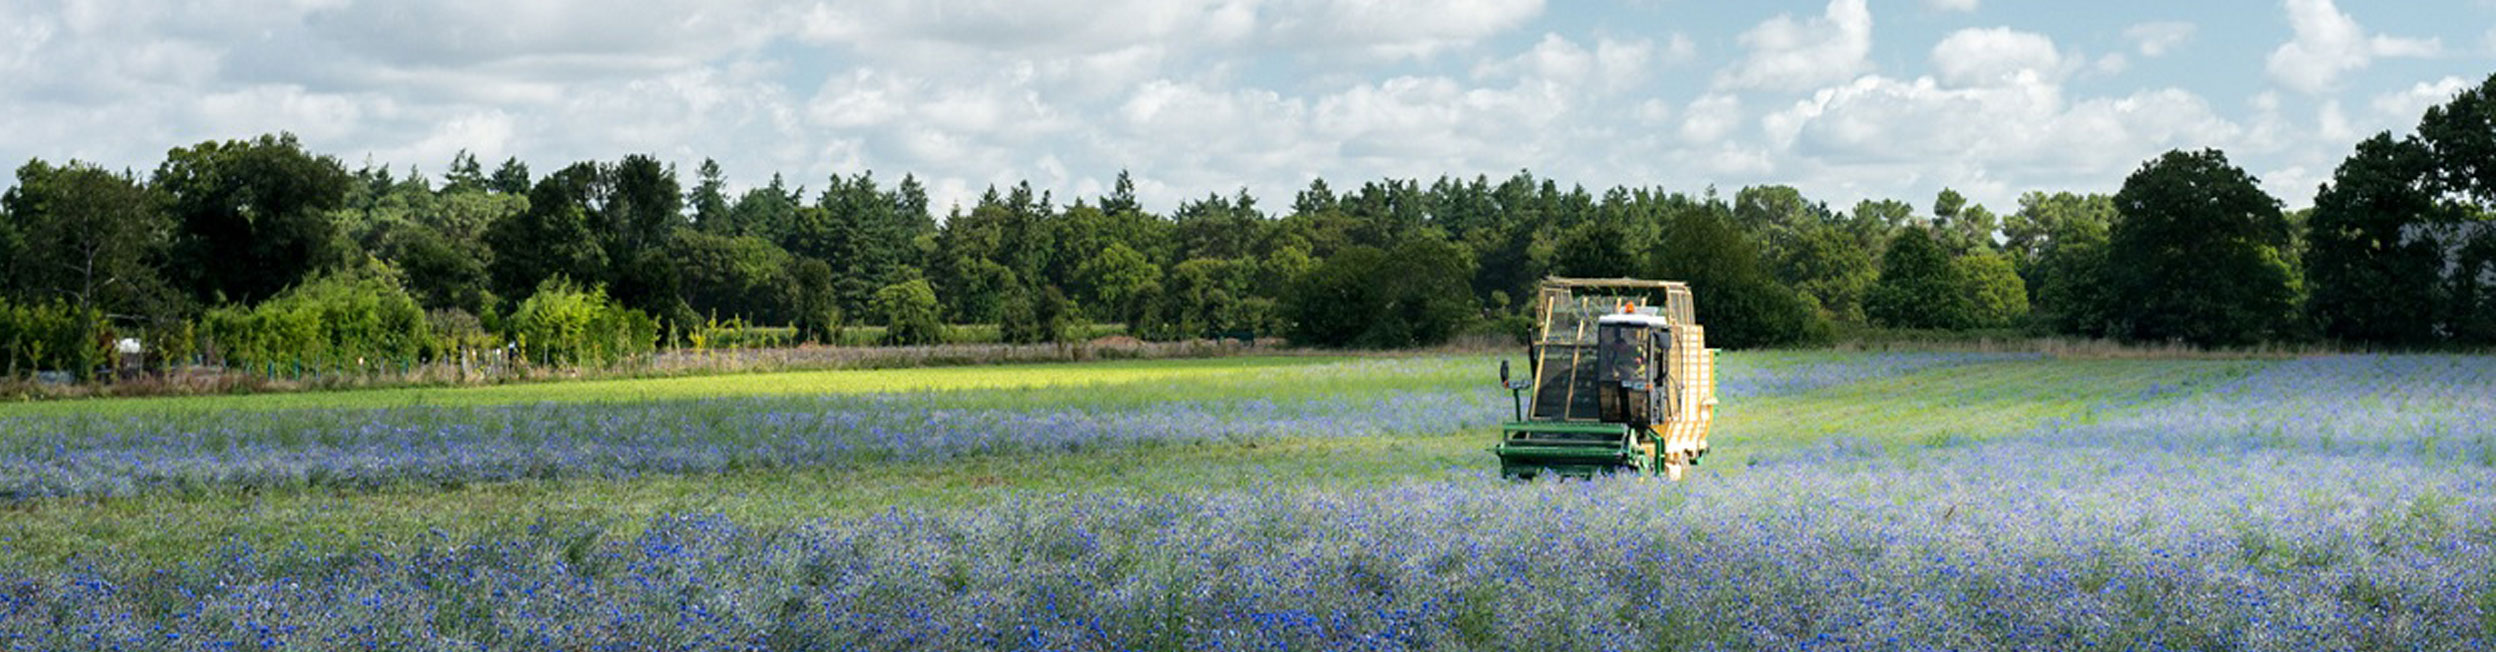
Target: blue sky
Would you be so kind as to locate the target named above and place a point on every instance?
(1844, 99)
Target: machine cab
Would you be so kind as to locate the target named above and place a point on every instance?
(1629, 360)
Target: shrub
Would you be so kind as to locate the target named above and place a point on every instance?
(362, 316)
(54, 336)
(564, 323)
(909, 312)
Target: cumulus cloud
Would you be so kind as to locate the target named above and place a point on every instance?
(2024, 133)
(1191, 95)
(1995, 56)
(2329, 43)
(2156, 39)
(1790, 54)
(2407, 105)
(1611, 67)
(1386, 28)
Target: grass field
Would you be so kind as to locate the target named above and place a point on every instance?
(1854, 500)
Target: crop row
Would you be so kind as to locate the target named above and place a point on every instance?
(2077, 534)
(125, 455)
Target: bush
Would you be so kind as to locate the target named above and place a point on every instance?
(455, 330)
(909, 312)
(52, 336)
(344, 320)
(1041, 317)
(564, 323)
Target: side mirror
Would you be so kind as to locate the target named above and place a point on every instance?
(1503, 372)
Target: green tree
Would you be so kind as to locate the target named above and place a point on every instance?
(1042, 316)
(813, 306)
(1117, 280)
(1920, 287)
(252, 216)
(1202, 297)
(1948, 204)
(1826, 264)
(2072, 294)
(1058, 317)
(2042, 224)
(12, 253)
(1996, 296)
(466, 174)
(709, 197)
(768, 212)
(1737, 301)
(1873, 222)
(641, 208)
(1598, 249)
(512, 178)
(2460, 135)
(2470, 290)
(909, 311)
(556, 236)
(745, 277)
(2373, 278)
(88, 236)
(1414, 295)
(440, 273)
(2197, 254)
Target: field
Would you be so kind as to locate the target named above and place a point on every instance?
(1891, 500)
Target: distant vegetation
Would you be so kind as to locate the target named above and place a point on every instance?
(258, 252)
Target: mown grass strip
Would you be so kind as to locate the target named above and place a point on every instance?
(840, 381)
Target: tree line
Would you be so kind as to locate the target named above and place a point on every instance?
(256, 251)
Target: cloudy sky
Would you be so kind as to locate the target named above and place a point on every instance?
(1846, 100)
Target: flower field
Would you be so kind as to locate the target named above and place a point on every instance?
(1857, 501)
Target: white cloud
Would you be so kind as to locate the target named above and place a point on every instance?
(2156, 39)
(1611, 67)
(2406, 106)
(1191, 95)
(1382, 28)
(1788, 54)
(2329, 43)
(1399, 28)
(2023, 134)
(1995, 56)
(1711, 118)
(1680, 50)
(1951, 5)
(2332, 123)
(2114, 63)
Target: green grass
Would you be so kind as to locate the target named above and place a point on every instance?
(1953, 405)
(1904, 414)
(1090, 375)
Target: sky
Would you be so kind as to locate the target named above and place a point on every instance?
(1846, 100)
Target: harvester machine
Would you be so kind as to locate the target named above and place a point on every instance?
(1619, 378)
